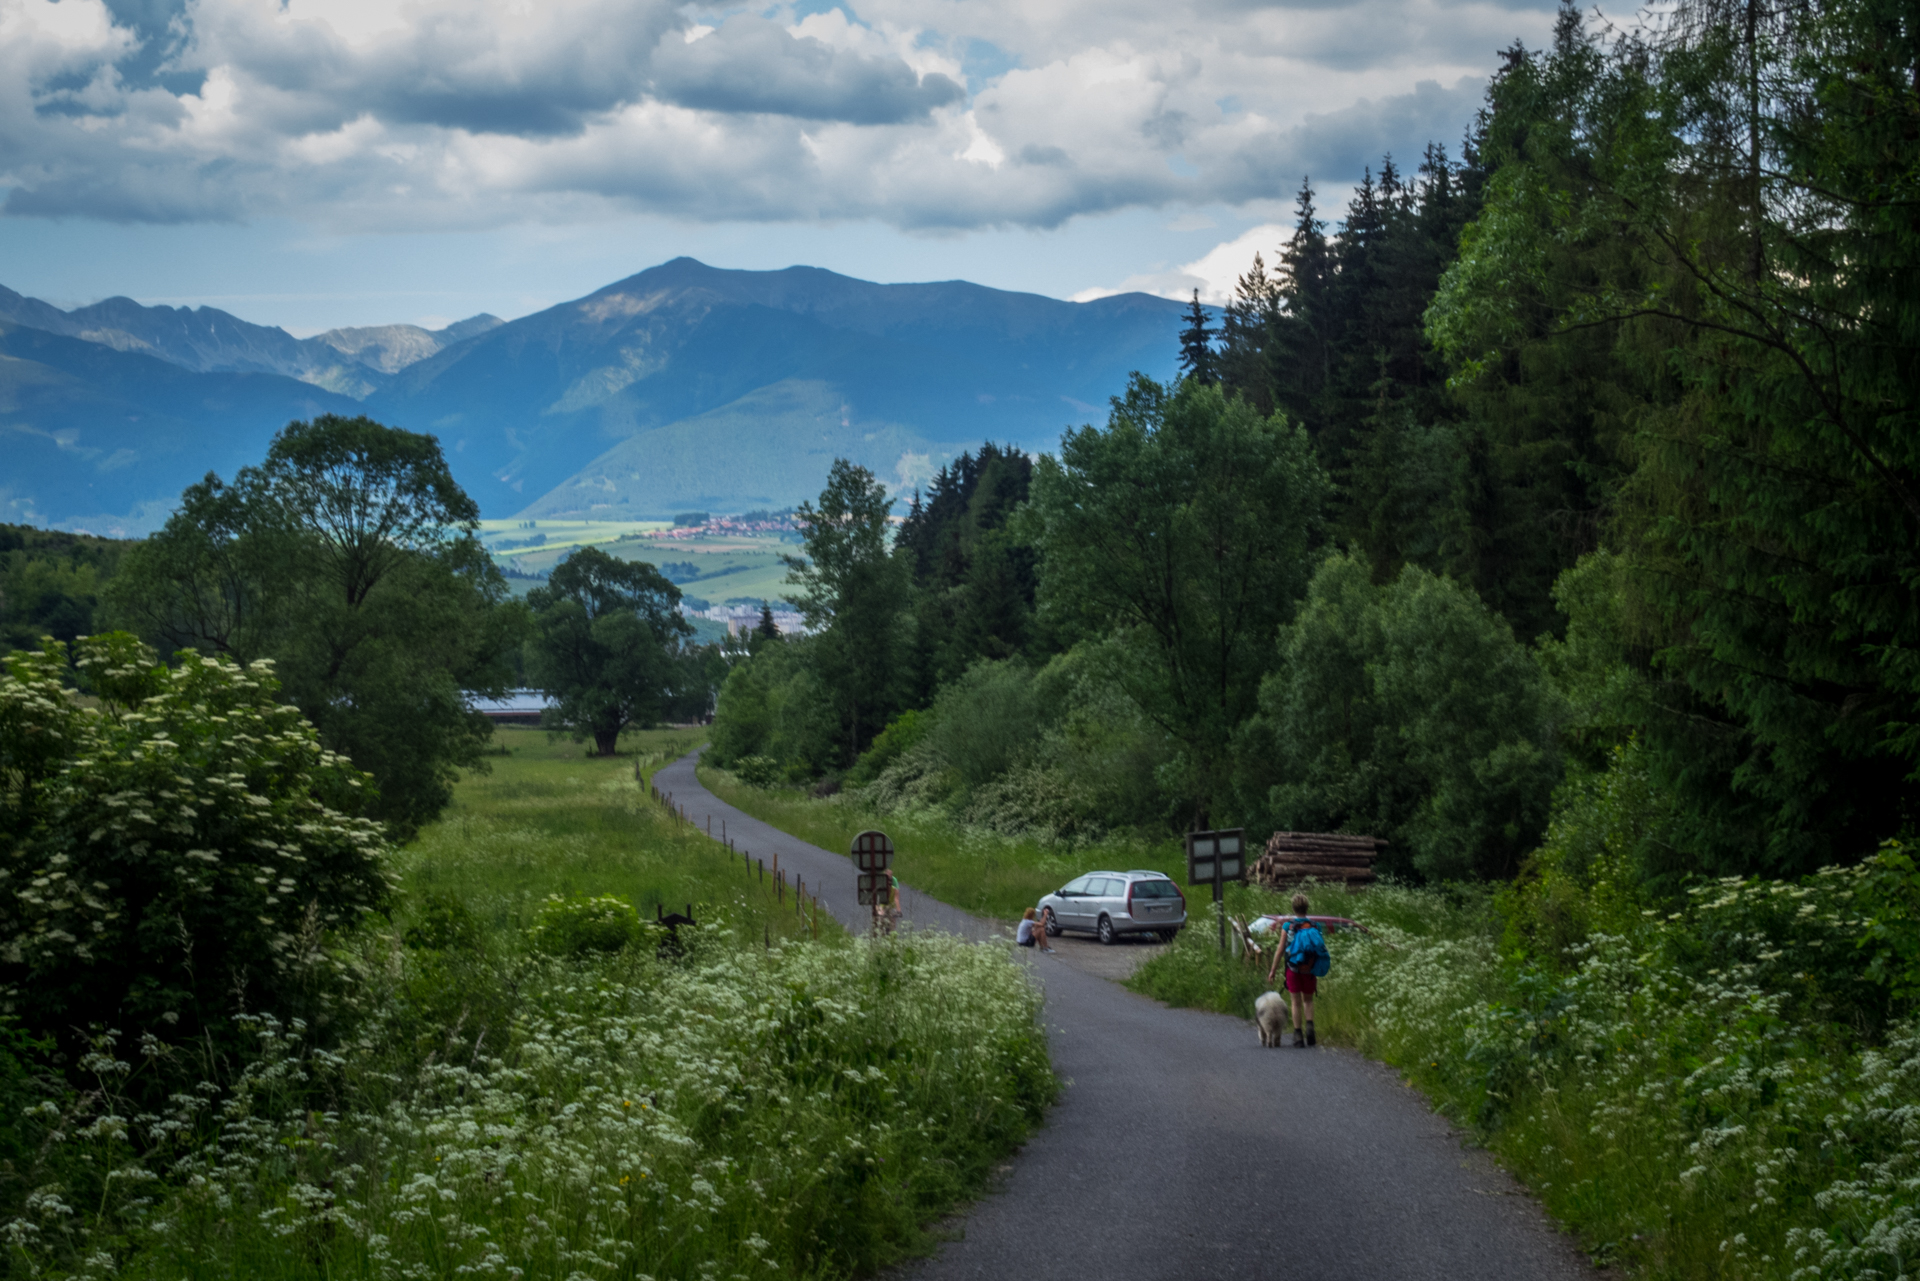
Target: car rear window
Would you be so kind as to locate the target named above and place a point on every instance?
(1155, 889)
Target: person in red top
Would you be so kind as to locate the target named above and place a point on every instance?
(1301, 983)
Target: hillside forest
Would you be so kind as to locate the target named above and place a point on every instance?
(1557, 505)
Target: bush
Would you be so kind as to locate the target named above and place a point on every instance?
(576, 926)
(177, 851)
(902, 734)
(757, 771)
(443, 924)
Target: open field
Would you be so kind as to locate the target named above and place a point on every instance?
(550, 819)
(716, 567)
(980, 872)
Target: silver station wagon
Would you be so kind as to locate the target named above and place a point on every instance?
(1109, 904)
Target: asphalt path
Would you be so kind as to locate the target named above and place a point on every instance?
(1183, 1149)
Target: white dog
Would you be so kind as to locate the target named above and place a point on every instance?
(1270, 1012)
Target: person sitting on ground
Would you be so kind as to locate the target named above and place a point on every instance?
(1031, 933)
(1302, 946)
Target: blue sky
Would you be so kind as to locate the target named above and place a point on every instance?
(316, 163)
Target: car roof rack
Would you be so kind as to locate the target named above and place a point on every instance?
(1149, 872)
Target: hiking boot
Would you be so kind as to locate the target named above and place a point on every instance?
(1299, 1041)
(1310, 1040)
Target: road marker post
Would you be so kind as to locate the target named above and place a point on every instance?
(873, 855)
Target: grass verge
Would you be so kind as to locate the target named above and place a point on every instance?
(982, 872)
(1704, 1093)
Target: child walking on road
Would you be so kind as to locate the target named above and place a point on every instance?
(1306, 956)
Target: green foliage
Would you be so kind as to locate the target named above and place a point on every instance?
(990, 872)
(1409, 712)
(1184, 527)
(348, 558)
(607, 646)
(178, 852)
(1713, 226)
(1713, 1087)
(50, 584)
(1061, 752)
(757, 771)
(852, 593)
(778, 705)
(441, 923)
(602, 1116)
(577, 926)
(1606, 845)
(641, 1111)
(974, 577)
(902, 734)
(987, 721)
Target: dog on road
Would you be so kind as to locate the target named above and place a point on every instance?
(1270, 1012)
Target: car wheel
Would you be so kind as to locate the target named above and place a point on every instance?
(1051, 922)
(1106, 931)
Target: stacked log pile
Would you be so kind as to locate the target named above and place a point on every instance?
(1292, 857)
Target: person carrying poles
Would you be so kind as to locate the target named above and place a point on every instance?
(1305, 953)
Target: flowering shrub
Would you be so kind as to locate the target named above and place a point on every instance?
(174, 851)
(1724, 1088)
(760, 1113)
(571, 926)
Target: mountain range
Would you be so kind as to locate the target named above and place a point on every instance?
(682, 386)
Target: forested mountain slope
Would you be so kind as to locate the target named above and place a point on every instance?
(108, 439)
(921, 369)
(759, 378)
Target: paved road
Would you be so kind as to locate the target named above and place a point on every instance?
(1182, 1149)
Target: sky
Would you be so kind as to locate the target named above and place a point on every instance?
(315, 163)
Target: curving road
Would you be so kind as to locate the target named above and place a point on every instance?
(1182, 1149)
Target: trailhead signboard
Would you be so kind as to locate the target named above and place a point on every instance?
(1215, 858)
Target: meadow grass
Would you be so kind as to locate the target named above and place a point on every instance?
(550, 819)
(739, 1100)
(986, 873)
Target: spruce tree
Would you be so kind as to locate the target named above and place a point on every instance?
(1196, 345)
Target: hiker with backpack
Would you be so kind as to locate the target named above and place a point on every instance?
(1305, 952)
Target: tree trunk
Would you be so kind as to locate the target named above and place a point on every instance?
(606, 742)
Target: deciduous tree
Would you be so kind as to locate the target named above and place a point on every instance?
(608, 646)
(348, 558)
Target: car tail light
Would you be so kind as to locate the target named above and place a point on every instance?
(1130, 885)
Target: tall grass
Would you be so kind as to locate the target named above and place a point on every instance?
(550, 819)
(984, 872)
(741, 1101)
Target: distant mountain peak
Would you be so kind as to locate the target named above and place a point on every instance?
(353, 362)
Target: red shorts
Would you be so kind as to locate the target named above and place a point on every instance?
(1304, 984)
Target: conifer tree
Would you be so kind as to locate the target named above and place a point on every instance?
(1196, 345)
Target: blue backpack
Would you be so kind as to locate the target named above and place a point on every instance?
(1306, 950)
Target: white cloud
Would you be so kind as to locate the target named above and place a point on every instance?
(372, 114)
(1214, 273)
